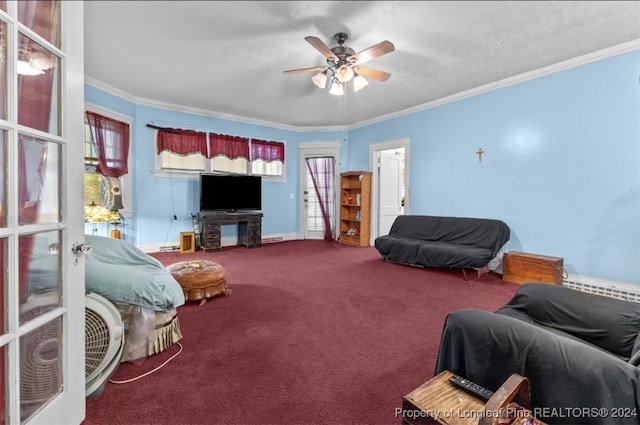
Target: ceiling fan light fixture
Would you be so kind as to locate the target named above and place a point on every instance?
(39, 60)
(344, 73)
(336, 89)
(25, 68)
(359, 83)
(320, 79)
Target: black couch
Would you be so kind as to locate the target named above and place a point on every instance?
(580, 352)
(452, 242)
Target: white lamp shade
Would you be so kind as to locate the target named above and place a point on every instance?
(336, 89)
(359, 83)
(320, 79)
(41, 61)
(344, 74)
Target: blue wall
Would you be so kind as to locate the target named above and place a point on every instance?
(158, 199)
(561, 165)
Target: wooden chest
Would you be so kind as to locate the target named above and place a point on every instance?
(522, 267)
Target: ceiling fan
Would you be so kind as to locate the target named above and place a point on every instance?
(344, 65)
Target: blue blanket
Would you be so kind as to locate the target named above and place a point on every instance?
(121, 272)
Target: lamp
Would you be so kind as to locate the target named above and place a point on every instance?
(95, 214)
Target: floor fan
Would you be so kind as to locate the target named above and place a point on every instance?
(40, 371)
(104, 342)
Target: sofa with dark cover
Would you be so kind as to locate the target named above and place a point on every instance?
(451, 242)
(580, 352)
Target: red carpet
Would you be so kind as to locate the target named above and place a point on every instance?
(314, 333)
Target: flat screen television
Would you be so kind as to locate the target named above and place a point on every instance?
(230, 193)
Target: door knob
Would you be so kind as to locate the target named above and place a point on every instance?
(81, 248)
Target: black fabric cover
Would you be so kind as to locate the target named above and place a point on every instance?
(538, 335)
(432, 241)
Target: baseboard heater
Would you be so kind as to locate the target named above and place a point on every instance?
(625, 291)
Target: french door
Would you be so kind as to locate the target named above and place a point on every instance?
(41, 157)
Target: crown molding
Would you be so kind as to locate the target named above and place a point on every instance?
(140, 101)
(551, 69)
(541, 72)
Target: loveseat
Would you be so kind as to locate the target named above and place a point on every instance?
(452, 242)
(580, 352)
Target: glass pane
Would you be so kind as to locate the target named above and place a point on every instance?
(3, 178)
(92, 189)
(315, 222)
(39, 274)
(42, 17)
(38, 87)
(40, 367)
(4, 388)
(3, 286)
(39, 171)
(3, 71)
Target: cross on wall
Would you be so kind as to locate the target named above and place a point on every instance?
(480, 152)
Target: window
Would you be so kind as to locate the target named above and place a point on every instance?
(267, 158)
(112, 130)
(221, 153)
(91, 177)
(182, 149)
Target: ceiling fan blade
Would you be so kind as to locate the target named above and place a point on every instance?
(301, 70)
(321, 47)
(373, 52)
(373, 74)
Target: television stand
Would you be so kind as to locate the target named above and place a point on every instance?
(249, 228)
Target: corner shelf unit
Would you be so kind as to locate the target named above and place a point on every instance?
(355, 207)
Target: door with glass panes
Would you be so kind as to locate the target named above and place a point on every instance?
(324, 158)
(42, 280)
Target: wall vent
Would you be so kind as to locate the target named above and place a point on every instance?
(608, 288)
(169, 246)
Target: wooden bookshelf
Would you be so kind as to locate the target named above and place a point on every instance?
(355, 207)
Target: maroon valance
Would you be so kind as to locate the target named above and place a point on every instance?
(230, 146)
(267, 151)
(182, 142)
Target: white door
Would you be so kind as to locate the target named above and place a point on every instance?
(391, 189)
(41, 155)
(313, 208)
(311, 220)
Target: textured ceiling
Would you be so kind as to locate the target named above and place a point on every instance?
(227, 58)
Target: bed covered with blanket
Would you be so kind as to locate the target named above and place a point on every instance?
(142, 289)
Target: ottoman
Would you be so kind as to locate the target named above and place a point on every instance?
(200, 279)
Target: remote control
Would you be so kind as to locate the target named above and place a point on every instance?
(472, 388)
